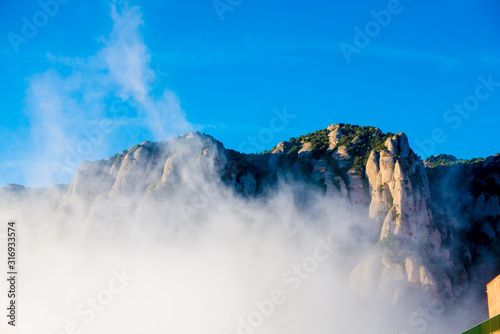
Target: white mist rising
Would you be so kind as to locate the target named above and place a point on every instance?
(80, 108)
(192, 273)
(139, 259)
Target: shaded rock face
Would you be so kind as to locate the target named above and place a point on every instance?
(14, 189)
(465, 211)
(417, 238)
(487, 207)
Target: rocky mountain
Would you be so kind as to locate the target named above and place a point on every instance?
(466, 212)
(432, 226)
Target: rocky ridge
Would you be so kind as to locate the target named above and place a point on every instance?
(419, 244)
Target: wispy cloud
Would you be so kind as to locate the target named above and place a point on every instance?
(490, 59)
(205, 50)
(390, 51)
(65, 108)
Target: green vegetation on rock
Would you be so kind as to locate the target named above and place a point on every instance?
(361, 140)
(393, 246)
(450, 160)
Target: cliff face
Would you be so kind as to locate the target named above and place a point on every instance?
(119, 189)
(420, 243)
(400, 197)
(465, 209)
(399, 191)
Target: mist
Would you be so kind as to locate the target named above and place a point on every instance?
(192, 273)
(191, 254)
(163, 245)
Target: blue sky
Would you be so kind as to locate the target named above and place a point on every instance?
(155, 69)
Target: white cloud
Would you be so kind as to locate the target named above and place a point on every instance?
(63, 108)
(200, 50)
(125, 54)
(414, 54)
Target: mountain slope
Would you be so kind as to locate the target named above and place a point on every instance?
(419, 244)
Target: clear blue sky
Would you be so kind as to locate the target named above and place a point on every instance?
(225, 77)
